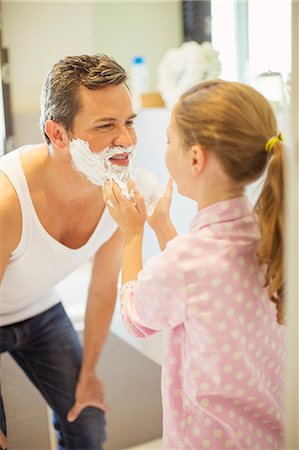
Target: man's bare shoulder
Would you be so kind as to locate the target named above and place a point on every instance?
(10, 214)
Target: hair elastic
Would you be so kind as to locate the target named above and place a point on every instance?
(272, 141)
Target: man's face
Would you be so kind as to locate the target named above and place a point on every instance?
(106, 119)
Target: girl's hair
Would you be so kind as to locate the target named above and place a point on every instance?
(60, 99)
(234, 121)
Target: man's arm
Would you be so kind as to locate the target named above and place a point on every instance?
(10, 222)
(100, 306)
(10, 234)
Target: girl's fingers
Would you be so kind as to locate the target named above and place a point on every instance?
(109, 193)
(120, 197)
(169, 188)
(104, 195)
(118, 194)
(140, 205)
(131, 185)
(113, 197)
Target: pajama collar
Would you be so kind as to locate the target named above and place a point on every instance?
(224, 211)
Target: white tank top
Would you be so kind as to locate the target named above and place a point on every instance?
(39, 262)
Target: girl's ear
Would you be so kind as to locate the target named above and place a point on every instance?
(57, 134)
(198, 158)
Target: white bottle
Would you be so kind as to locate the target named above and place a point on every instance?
(139, 79)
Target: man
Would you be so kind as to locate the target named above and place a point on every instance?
(52, 219)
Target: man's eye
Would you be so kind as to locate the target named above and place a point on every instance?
(130, 123)
(105, 127)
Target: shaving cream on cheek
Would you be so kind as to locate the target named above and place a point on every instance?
(97, 167)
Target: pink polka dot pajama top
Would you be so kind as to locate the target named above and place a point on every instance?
(223, 372)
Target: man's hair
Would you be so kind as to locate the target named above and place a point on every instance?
(59, 98)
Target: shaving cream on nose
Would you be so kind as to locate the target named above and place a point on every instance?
(97, 167)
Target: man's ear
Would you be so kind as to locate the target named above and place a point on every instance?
(57, 134)
(198, 158)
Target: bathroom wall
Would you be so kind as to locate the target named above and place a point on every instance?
(37, 34)
(147, 28)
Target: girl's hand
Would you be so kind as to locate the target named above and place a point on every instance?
(161, 211)
(130, 215)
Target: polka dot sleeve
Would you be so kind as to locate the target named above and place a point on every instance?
(129, 315)
(156, 301)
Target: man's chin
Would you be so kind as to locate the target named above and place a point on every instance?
(121, 164)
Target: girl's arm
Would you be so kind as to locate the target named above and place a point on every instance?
(148, 305)
(132, 256)
(130, 215)
(165, 231)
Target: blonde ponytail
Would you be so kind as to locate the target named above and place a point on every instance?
(270, 210)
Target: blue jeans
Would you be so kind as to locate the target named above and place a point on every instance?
(48, 350)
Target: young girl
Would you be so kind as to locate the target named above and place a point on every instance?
(219, 289)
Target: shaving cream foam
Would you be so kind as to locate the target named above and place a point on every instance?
(147, 184)
(96, 166)
(97, 169)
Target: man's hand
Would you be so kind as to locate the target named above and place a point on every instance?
(89, 392)
(3, 440)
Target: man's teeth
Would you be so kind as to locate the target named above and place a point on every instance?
(119, 157)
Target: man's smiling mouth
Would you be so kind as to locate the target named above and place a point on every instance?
(120, 159)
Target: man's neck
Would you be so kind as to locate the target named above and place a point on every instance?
(65, 182)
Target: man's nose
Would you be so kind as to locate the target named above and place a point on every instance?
(125, 137)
